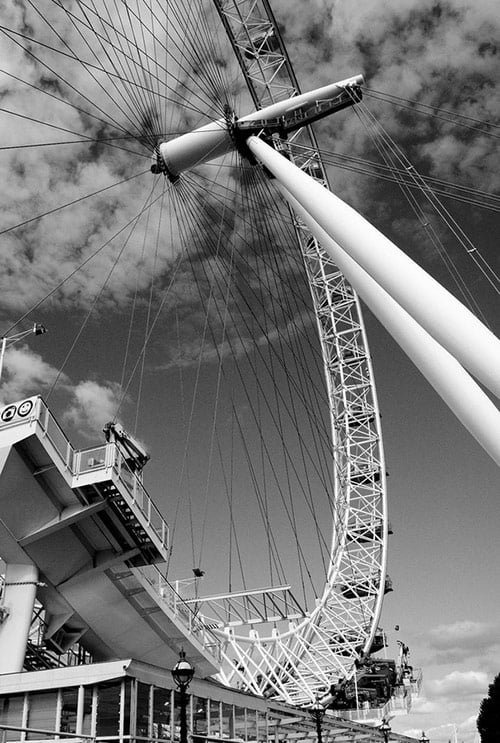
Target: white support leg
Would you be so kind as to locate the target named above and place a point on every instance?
(18, 601)
(456, 387)
(443, 316)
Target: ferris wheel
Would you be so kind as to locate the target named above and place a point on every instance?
(140, 196)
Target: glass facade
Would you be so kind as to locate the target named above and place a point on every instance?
(125, 710)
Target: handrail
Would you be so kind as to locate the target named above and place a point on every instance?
(79, 462)
(167, 593)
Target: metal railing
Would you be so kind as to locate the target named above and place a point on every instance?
(99, 458)
(166, 593)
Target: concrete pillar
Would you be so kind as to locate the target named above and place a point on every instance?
(18, 601)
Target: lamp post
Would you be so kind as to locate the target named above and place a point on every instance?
(385, 729)
(182, 673)
(423, 738)
(9, 340)
(318, 712)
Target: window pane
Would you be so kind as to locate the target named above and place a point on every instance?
(227, 721)
(69, 705)
(142, 729)
(127, 705)
(214, 718)
(261, 727)
(200, 716)
(251, 725)
(11, 713)
(161, 713)
(87, 711)
(239, 723)
(108, 709)
(41, 712)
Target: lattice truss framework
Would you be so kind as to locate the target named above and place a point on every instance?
(295, 658)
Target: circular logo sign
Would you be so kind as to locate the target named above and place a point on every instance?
(8, 413)
(25, 408)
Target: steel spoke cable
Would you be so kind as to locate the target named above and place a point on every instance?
(106, 122)
(242, 437)
(68, 131)
(384, 148)
(198, 42)
(482, 265)
(72, 203)
(250, 269)
(155, 97)
(58, 76)
(85, 63)
(191, 44)
(313, 403)
(72, 273)
(132, 224)
(484, 199)
(134, 57)
(194, 91)
(120, 63)
(276, 559)
(143, 67)
(76, 56)
(267, 240)
(270, 408)
(149, 310)
(42, 122)
(95, 140)
(138, 94)
(434, 111)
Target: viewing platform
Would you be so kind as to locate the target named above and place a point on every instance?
(82, 522)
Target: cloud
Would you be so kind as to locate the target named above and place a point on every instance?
(25, 373)
(463, 639)
(92, 404)
(460, 684)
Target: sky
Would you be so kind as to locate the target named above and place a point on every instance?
(443, 489)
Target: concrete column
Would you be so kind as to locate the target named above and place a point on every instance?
(18, 601)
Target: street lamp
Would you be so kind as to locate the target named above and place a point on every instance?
(423, 738)
(318, 712)
(9, 340)
(385, 729)
(182, 673)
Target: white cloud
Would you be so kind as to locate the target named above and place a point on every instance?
(25, 373)
(459, 684)
(463, 639)
(92, 404)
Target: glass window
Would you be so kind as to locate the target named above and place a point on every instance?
(200, 716)
(108, 708)
(161, 713)
(87, 711)
(227, 721)
(142, 726)
(240, 723)
(251, 725)
(69, 706)
(261, 727)
(11, 713)
(215, 718)
(127, 702)
(41, 712)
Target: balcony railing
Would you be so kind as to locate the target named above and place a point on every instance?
(105, 457)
